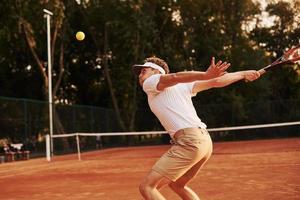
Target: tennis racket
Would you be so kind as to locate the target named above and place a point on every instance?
(291, 56)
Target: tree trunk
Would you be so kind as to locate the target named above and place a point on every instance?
(27, 28)
(105, 65)
(109, 81)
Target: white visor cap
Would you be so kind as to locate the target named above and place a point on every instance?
(137, 68)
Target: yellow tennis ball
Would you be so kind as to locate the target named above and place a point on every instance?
(80, 35)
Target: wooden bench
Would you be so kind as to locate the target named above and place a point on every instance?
(19, 154)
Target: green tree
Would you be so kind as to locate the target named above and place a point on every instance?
(97, 70)
(281, 35)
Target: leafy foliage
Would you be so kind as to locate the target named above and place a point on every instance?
(119, 33)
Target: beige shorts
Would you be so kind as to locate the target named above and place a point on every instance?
(191, 146)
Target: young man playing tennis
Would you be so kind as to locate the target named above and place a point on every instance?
(169, 97)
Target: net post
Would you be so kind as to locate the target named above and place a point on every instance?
(48, 15)
(48, 154)
(78, 147)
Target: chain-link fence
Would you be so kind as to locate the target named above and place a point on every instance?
(27, 121)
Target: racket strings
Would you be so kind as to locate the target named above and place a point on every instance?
(296, 56)
(292, 55)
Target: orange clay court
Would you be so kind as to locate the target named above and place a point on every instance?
(260, 170)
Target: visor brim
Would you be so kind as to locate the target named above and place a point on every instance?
(137, 69)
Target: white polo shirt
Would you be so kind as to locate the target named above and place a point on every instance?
(173, 106)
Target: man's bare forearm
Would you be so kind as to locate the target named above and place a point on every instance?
(181, 77)
(228, 79)
(185, 77)
(189, 76)
(214, 70)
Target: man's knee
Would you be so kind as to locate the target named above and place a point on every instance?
(147, 186)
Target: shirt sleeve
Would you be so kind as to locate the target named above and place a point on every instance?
(150, 84)
(190, 88)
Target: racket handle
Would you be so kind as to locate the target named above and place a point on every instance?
(262, 71)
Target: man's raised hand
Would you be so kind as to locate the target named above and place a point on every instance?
(218, 69)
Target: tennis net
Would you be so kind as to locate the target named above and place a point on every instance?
(79, 142)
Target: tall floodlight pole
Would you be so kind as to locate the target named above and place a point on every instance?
(48, 15)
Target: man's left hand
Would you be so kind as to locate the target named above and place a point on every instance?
(218, 69)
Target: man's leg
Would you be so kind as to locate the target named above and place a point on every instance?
(180, 185)
(148, 187)
(204, 151)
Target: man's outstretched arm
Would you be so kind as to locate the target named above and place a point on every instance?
(225, 80)
(214, 70)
